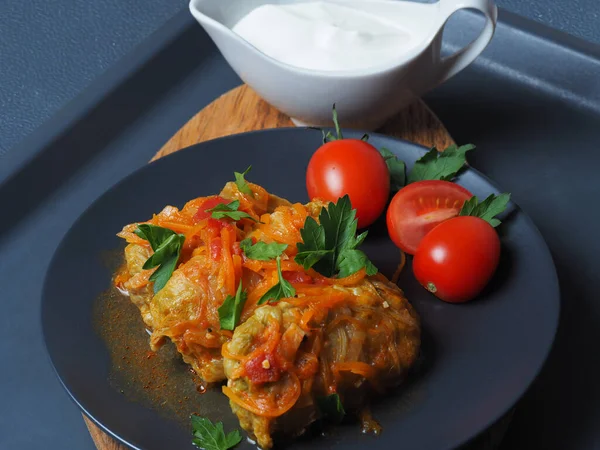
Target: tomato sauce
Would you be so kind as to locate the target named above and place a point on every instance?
(264, 368)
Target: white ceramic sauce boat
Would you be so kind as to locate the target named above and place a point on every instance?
(365, 98)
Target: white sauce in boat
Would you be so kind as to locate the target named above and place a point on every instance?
(324, 36)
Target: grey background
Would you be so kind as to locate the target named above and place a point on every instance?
(51, 50)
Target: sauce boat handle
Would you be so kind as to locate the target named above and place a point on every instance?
(451, 65)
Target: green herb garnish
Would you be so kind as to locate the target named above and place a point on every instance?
(435, 165)
(283, 289)
(229, 210)
(231, 309)
(331, 407)
(261, 250)
(396, 168)
(352, 260)
(329, 136)
(330, 246)
(166, 245)
(212, 437)
(487, 209)
(241, 183)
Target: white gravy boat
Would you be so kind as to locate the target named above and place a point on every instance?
(365, 98)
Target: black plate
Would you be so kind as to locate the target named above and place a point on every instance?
(478, 358)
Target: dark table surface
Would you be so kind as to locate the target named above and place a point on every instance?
(51, 50)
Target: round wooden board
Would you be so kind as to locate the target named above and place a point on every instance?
(240, 110)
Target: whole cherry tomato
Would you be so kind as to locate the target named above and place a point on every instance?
(353, 167)
(457, 259)
(419, 207)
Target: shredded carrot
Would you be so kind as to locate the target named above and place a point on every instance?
(211, 260)
(121, 277)
(290, 342)
(352, 279)
(265, 410)
(237, 266)
(180, 327)
(271, 338)
(261, 288)
(380, 277)
(260, 197)
(306, 317)
(286, 265)
(226, 333)
(326, 301)
(177, 227)
(247, 206)
(356, 367)
(132, 238)
(202, 337)
(227, 354)
(277, 236)
(344, 318)
(398, 271)
(227, 267)
(193, 205)
(193, 231)
(315, 289)
(139, 280)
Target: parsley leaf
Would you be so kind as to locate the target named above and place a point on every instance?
(352, 261)
(283, 289)
(212, 437)
(240, 181)
(331, 407)
(434, 165)
(487, 209)
(231, 309)
(166, 245)
(329, 136)
(396, 168)
(261, 250)
(230, 210)
(312, 249)
(338, 130)
(331, 245)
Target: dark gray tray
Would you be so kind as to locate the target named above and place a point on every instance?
(531, 103)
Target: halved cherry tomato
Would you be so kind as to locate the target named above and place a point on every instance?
(209, 203)
(353, 167)
(457, 259)
(417, 208)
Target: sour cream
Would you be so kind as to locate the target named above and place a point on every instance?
(323, 36)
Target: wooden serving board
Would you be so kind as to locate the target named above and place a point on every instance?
(240, 110)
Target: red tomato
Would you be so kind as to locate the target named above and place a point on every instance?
(215, 226)
(417, 208)
(297, 277)
(208, 204)
(263, 368)
(457, 259)
(353, 167)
